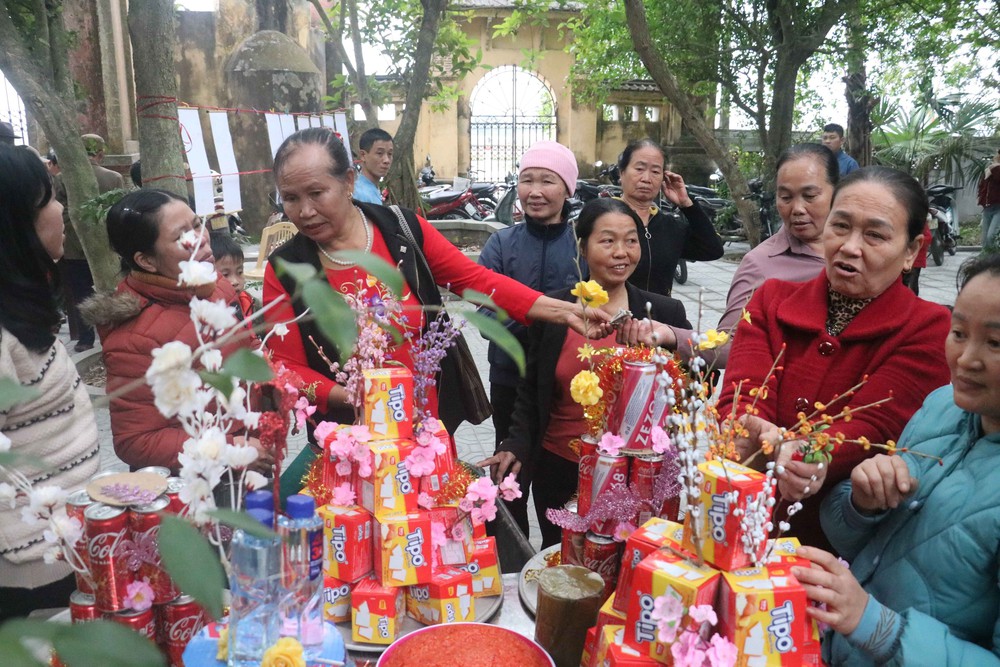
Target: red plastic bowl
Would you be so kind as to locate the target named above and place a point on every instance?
(465, 644)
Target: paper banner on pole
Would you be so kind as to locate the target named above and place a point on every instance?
(315, 121)
(340, 123)
(275, 135)
(227, 161)
(328, 121)
(287, 125)
(194, 149)
(303, 122)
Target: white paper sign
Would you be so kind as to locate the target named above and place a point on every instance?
(275, 135)
(227, 161)
(340, 124)
(197, 158)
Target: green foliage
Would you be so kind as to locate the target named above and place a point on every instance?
(245, 364)
(96, 210)
(192, 563)
(95, 644)
(13, 392)
(244, 522)
(499, 334)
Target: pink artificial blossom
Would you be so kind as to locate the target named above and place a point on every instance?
(343, 495)
(458, 532)
(610, 444)
(139, 595)
(324, 430)
(481, 489)
(703, 613)
(425, 500)
(438, 533)
(622, 530)
(420, 462)
(667, 612)
(432, 442)
(485, 512)
(687, 651)
(344, 467)
(465, 505)
(660, 439)
(361, 433)
(721, 652)
(509, 488)
(302, 412)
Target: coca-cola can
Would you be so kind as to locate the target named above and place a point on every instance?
(162, 471)
(178, 622)
(106, 528)
(642, 476)
(144, 522)
(609, 471)
(76, 503)
(634, 400)
(173, 494)
(600, 555)
(571, 545)
(585, 475)
(82, 608)
(143, 622)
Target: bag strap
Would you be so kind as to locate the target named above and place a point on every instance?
(404, 226)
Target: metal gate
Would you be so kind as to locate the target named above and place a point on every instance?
(512, 108)
(12, 110)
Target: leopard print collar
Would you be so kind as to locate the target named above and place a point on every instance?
(841, 311)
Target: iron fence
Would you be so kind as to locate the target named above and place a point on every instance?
(499, 141)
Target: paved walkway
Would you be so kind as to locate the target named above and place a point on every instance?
(707, 285)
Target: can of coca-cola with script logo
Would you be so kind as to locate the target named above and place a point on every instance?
(173, 494)
(642, 476)
(571, 545)
(144, 522)
(609, 471)
(143, 622)
(600, 555)
(585, 475)
(82, 608)
(76, 504)
(178, 622)
(634, 401)
(106, 528)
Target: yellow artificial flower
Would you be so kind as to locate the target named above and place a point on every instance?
(286, 652)
(745, 316)
(222, 652)
(585, 388)
(590, 293)
(713, 339)
(585, 352)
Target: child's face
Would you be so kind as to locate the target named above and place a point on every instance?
(232, 270)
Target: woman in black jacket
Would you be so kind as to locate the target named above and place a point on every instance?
(546, 418)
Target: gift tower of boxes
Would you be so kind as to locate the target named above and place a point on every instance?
(387, 557)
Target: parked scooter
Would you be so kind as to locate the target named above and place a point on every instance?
(448, 204)
(944, 221)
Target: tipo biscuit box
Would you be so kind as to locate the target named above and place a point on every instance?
(347, 542)
(484, 566)
(620, 655)
(447, 598)
(444, 465)
(719, 527)
(663, 573)
(403, 549)
(608, 615)
(589, 648)
(763, 612)
(336, 600)
(388, 402)
(784, 550)
(607, 637)
(651, 536)
(377, 612)
(390, 490)
(453, 551)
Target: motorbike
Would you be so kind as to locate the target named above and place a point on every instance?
(944, 221)
(448, 204)
(730, 227)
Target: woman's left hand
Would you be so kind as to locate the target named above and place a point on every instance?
(830, 582)
(798, 480)
(673, 188)
(592, 323)
(646, 332)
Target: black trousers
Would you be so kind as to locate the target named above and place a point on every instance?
(79, 284)
(502, 399)
(553, 485)
(19, 602)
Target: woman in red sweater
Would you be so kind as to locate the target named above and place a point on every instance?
(855, 320)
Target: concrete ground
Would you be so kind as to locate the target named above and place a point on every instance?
(704, 296)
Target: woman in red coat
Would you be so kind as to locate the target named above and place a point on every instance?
(854, 320)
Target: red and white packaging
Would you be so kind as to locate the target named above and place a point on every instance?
(143, 622)
(173, 493)
(336, 600)
(388, 402)
(651, 536)
(642, 474)
(377, 612)
(459, 542)
(484, 566)
(347, 542)
(403, 549)
(447, 598)
(585, 477)
(601, 555)
(444, 464)
(178, 621)
(609, 471)
(106, 528)
(609, 615)
(82, 608)
(589, 648)
(76, 504)
(144, 522)
(390, 490)
(634, 401)
(571, 542)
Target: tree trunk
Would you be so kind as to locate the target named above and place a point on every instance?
(43, 90)
(355, 74)
(860, 100)
(151, 24)
(402, 178)
(693, 118)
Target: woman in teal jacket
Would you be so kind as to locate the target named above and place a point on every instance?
(923, 534)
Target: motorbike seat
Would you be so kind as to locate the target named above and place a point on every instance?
(941, 189)
(701, 191)
(483, 189)
(443, 196)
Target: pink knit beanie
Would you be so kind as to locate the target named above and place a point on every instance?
(554, 157)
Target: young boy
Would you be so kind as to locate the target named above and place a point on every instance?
(375, 159)
(229, 263)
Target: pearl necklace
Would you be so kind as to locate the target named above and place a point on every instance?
(368, 242)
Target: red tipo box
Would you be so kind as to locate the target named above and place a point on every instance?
(485, 568)
(376, 612)
(403, 549)
(651, 536)
(347, 542)
(390, 490)
(455, 552)
(336, 600)
(447, 598)
(388, 402)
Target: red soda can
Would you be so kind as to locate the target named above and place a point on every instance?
(143, 622)
(76, 504)
(173, 494)
(585, 477)
(600, 555)
(144, 522)
(82, 608)
(106, 529)
(178, 622)
(634, 401)
(162, 471)
(571, 549)
(642, 476)
(609, 471)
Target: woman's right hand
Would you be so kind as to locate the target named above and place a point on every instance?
(500, 464)
(881, 483)
(757, 431)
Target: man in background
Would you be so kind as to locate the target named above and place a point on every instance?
(375, 158)
(833, 138)
(7, 135)
(989, 199)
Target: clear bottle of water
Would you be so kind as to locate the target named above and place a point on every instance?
(301, 608)
(254, 624)
(263, 500)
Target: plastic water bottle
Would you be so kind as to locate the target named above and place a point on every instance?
(254, 583)
(301, 608)
(262, 500)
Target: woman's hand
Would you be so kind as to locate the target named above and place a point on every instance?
(589, 322)
(757, 431)
(646, 332)
(829, 582)
(797, 480)
(264, 461)
(337, 398)
(500, 464)
(881, 483)
(673, 188)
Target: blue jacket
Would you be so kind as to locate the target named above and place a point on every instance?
(934, 560)
(543, 257)
(846, 163)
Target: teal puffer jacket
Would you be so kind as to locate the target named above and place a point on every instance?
(934, 560)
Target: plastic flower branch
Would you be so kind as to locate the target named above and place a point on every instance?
(694, 647)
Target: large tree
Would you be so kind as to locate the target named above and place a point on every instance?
(34, 48)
